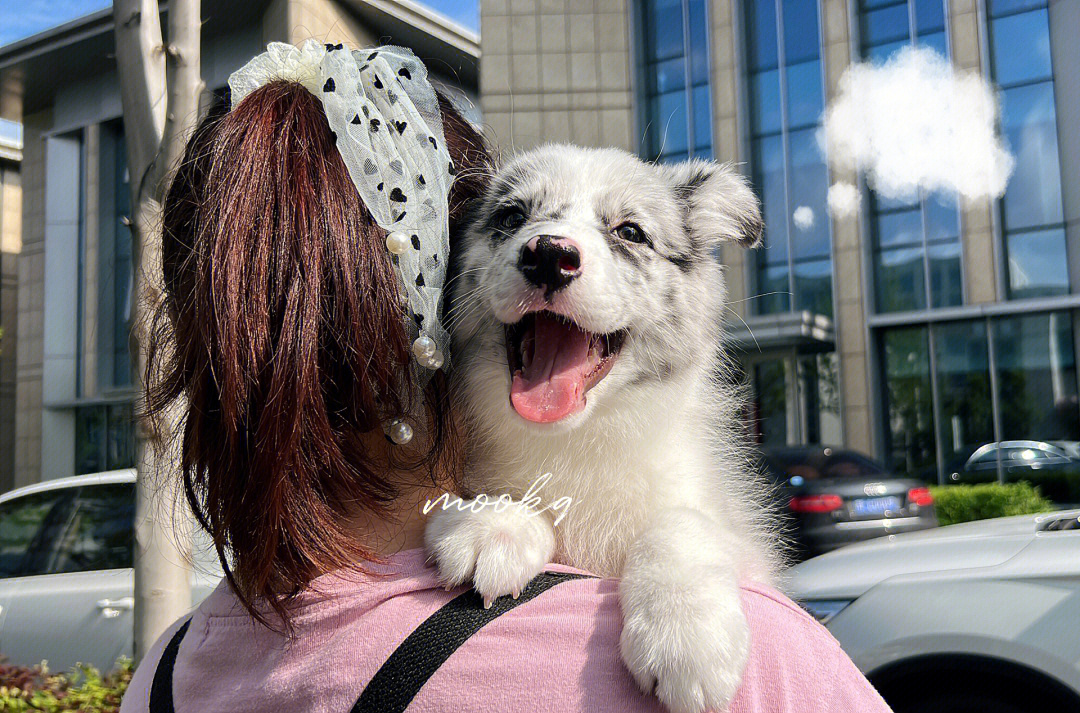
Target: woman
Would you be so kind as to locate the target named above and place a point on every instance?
(305, 370)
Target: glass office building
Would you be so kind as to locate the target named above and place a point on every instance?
(952, 327)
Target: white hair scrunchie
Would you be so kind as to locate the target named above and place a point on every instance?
(385, 117)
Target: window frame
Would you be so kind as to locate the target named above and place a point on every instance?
(646, 65)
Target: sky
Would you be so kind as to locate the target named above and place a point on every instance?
(22, 18)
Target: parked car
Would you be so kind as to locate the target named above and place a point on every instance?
(833, 497)
(66, 579)
(979, 617)
(1053, 466)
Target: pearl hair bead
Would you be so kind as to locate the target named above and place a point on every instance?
(423, 348)
(400, 432)
(435, 361)
(397, 242)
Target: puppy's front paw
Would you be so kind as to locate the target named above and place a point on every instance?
(500, 551)
(687, 646)
(684, 635)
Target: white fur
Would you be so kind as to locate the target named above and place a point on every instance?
(664, 493)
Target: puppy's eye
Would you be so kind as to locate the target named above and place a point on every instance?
(510, 218)
(631, 233)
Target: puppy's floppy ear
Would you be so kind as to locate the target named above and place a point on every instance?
(719, 202)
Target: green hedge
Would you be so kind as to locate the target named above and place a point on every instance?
(964, 503)
(32, 688)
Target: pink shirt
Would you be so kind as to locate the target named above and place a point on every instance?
(558, 652)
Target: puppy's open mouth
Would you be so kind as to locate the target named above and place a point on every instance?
(553, 362)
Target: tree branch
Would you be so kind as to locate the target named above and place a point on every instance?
(141, 65)
(183, 75)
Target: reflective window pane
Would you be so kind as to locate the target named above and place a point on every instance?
(935, 41)
(886, 25)
(677, 116)
(804, 100)
(770, 403)
(769, 180)
(670, 114)
(773, 289)
(807, 200)
(104, 438)
(965, 417)
(929, 16)
(1036, 378)
(899, 228)
(788, 168)
(879, 54)
(946, 281)
(1038, 265)
(801, 37)
(702, 122)
(667, 76)
(673, 157)
(900, 280)
(765, 98)
(664, 28)
(1033, 196)
(1020, 46)
(1002, 7)
(883, 204)
(813, 286)
(761, 18)
(699, 42)
(910, 446)
(942, 217)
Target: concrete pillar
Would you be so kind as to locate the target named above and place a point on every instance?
(851, 263)
(557, 70)
(31, 261)
(730, 139)
(982, 278)
(1065, 55)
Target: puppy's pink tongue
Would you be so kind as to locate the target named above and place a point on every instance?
(552, 386)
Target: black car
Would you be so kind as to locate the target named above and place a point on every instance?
(832, 497)
(1051, 466)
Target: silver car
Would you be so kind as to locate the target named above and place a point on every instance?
(982, 617)
(66, 549)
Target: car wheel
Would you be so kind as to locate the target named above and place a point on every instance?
(960, 703)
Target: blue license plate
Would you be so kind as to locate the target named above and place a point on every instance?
(875, 506)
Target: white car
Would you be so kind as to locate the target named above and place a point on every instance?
(66, 591)
(982, 617)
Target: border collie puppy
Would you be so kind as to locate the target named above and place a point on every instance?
(585, 310)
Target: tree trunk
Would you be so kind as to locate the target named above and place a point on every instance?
(160, 86)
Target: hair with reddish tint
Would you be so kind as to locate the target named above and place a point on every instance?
(282, 331)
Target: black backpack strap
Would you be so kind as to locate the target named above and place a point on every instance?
(161, 698)
(401, 677)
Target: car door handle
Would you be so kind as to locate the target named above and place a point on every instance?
(111, 607)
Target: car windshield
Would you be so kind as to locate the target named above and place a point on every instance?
(821, 465)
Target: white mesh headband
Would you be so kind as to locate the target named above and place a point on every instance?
(385, 117)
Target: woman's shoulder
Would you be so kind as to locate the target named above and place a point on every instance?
(560, 648)
(137, 697)
(795, 664)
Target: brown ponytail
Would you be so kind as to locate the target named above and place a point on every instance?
(286, 337)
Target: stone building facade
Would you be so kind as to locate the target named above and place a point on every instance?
(70, 381)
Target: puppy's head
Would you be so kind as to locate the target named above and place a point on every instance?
(585, 273)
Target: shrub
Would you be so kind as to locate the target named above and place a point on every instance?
(26, 689)
(964, 503)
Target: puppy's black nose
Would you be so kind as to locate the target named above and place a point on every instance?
(551, 262)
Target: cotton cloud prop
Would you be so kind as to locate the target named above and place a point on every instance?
(915, 122)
